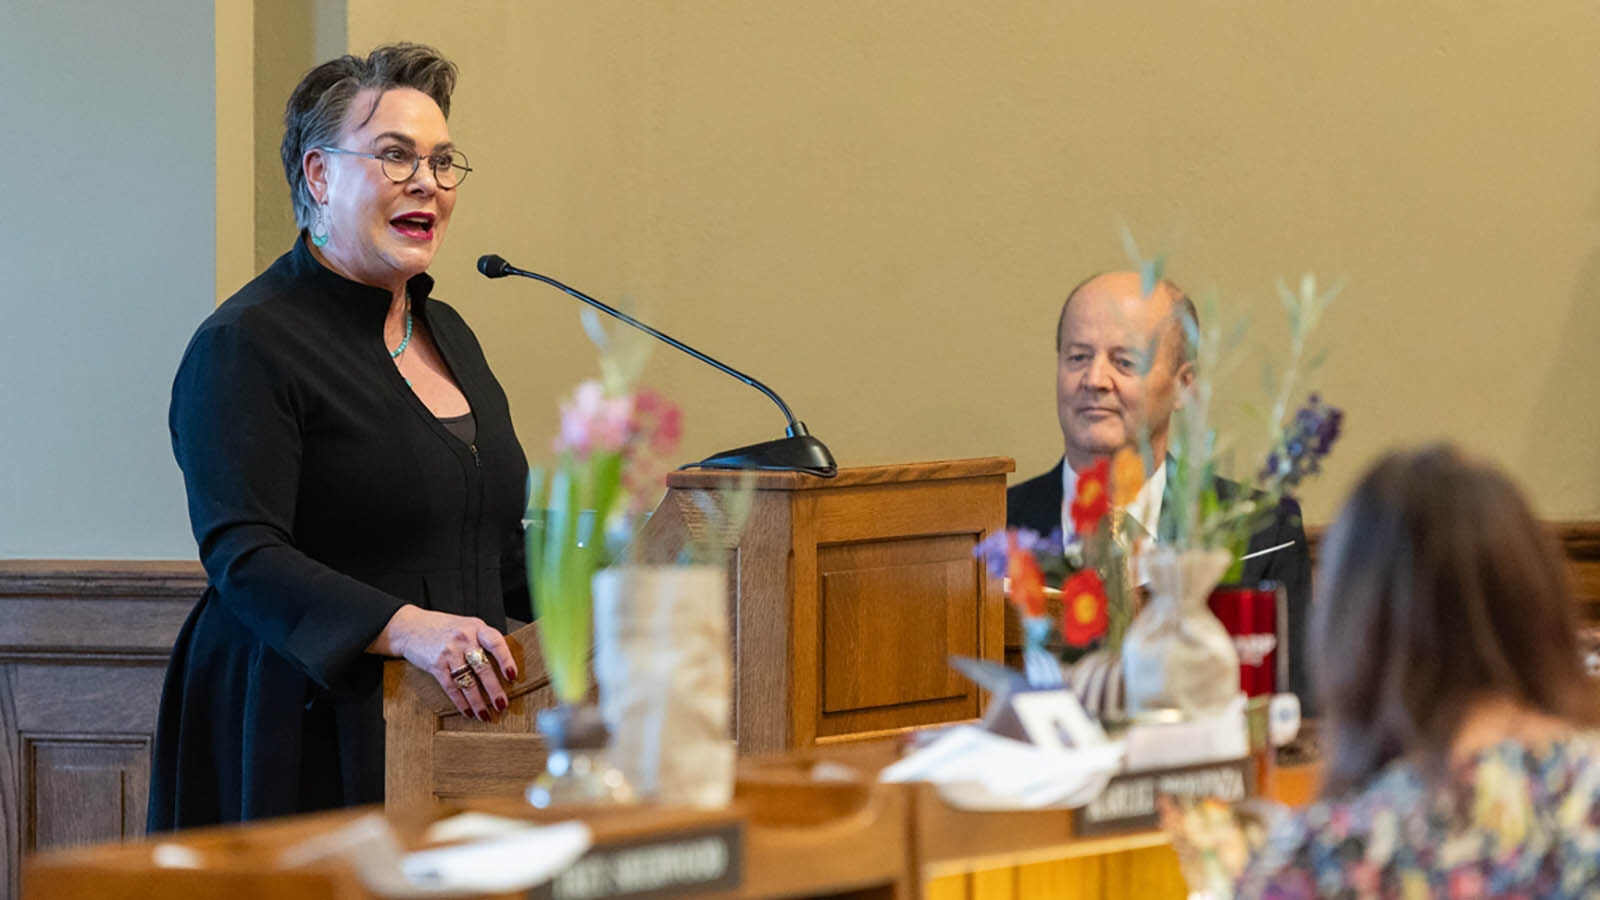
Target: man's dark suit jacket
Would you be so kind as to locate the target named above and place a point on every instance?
(1036, 504)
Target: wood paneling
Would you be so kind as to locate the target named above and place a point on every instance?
(892, 614)
(84, 790)
(849, 594)
(83, 649)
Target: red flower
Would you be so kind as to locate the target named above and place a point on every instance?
(1083, 609)
(1027, 581)
(1093, 500)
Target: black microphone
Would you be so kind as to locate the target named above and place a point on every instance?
(797, 452)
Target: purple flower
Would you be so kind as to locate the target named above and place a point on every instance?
(1042, 547)
(1308, 438)
(992, 550)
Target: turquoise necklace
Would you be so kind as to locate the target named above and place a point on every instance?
(405, 341)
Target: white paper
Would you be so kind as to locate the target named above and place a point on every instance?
(1055, 720)
(512, 859)
(975, 769)
(1191, 741)
(1283, 719)
(510, 862)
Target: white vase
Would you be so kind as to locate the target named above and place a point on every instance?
(663, 669)
(1177, 655)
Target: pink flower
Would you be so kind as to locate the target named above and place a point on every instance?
(592, 422)
(658, 421)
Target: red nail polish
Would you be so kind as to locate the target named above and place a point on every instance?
(500, 704)
(511, 674)
(483, 716)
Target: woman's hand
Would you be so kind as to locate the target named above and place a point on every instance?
(460, 652)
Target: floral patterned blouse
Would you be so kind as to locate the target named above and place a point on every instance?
(1516, 822)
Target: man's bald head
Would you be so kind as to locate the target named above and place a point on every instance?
(1166, 287)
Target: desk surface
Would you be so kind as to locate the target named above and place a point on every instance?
(813, 823)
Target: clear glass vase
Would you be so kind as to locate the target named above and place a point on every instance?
(578, 769)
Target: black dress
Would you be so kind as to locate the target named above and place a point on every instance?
(324, 496)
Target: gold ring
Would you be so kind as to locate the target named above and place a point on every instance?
(464, 678)
(476, 659)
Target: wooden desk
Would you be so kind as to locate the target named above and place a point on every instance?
(1000, 856)
(803, 836)
(798, 840)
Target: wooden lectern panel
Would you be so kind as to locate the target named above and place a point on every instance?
(892, 614)
(849, 594)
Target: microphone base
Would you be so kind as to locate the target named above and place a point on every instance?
(801, 453)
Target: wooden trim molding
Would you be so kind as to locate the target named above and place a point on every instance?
(1580, 544)
(83, 650)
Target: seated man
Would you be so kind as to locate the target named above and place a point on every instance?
(1106, 397)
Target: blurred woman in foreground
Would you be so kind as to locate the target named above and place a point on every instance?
(1461, 755)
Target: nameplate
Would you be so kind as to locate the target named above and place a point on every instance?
(689, 861)
(1129, 801)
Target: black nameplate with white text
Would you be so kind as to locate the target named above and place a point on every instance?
(1129, 801)
(676, 863)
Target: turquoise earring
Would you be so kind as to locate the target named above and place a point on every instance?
(319, 228)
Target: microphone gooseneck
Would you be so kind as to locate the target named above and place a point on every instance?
(799, 451)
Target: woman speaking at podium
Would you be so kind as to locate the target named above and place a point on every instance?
(353, 479)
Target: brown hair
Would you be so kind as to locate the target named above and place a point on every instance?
(315, 114)
(1438, 588)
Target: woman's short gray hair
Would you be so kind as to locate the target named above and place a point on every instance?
(315, 115)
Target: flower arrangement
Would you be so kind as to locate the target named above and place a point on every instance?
(612, 455)
(1296, 445)
(1092, 566)
(1097, 567)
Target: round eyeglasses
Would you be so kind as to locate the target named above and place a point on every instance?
(400, 164)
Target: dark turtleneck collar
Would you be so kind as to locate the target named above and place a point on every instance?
(361, 299)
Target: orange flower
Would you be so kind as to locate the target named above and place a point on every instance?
(1083, 609)
(1127, 476)
(1027, 581)
(1092, 501)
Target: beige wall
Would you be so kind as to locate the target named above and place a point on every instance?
(877, 206)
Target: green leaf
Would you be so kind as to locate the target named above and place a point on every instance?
(1317, 360)
(538, 491)
(534, 535)
(1131, 248)
(1150, 274)
(565, 604)
(594, 328)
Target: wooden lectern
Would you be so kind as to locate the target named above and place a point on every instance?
(848, 595)
(432, 752)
